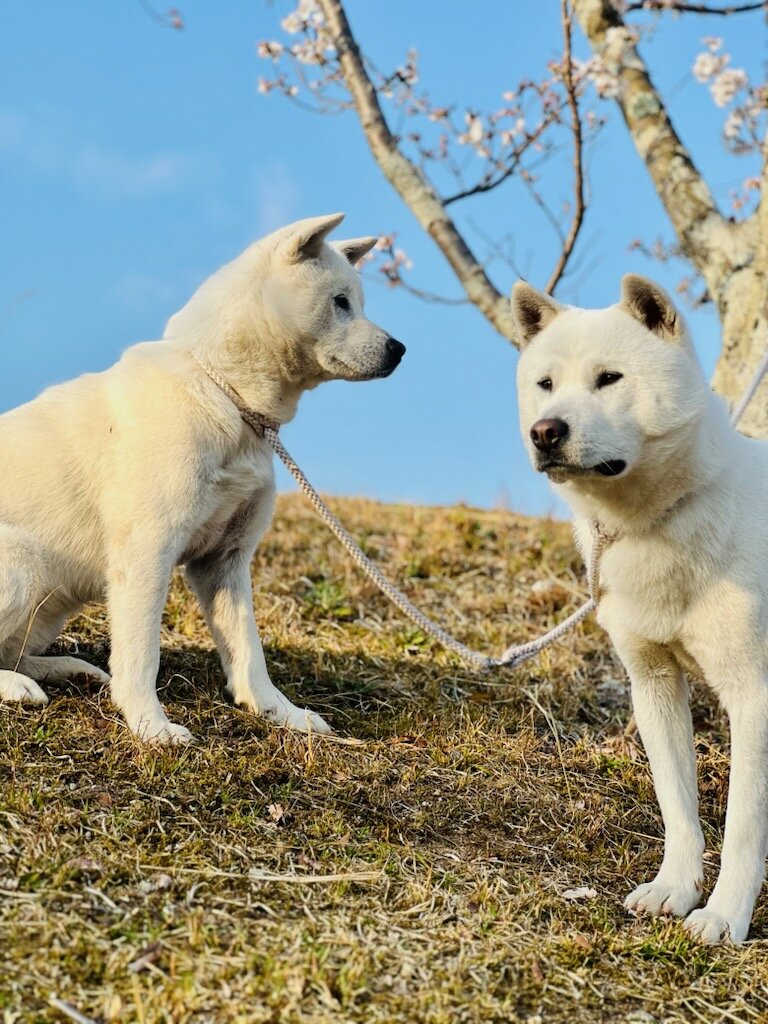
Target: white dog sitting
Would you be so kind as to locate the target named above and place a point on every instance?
(616, 411)
(114, 478)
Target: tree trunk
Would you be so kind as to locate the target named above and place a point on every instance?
(731, 258)
(743, 308)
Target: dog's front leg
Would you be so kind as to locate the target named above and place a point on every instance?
(660, 702)
(742, 864)
(137, 585)
(223, 587)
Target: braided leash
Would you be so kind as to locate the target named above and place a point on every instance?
(514, 655)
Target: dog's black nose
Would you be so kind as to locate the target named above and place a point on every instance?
(395, 349)
(547, 434)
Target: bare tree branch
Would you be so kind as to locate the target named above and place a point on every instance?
(685, 8)
(415, 191)
(698, 223)
(509, 170)
(426, 296)
(579, 205)
(730, 255)
(171, 18)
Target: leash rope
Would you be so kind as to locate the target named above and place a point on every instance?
(752, 387)
(515, 654)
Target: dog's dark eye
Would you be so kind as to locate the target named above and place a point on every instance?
(545, 383)
(341, 302)
(607, 377)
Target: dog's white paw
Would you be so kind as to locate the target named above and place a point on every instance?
(664, 897)
(96, 675)
(55, 669)
(14, 686)
(711, 927)
(72, 667)
(284, 713)
(277, 709)
(304, 720)
(159, 732)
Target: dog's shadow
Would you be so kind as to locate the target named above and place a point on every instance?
(363, 697)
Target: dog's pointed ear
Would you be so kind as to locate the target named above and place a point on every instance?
(532, 311)
(354, 249)
(304, 239)
(649, 304)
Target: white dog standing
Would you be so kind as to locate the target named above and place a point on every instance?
(617, 412)
(112, 479)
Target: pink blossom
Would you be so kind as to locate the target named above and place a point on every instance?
(706, 65)
(269, 48)
(733, 124)
(292, 24)
(727, 84)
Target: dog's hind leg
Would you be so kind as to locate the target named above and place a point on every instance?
(60, 667)
(47, 625)
(19, 586)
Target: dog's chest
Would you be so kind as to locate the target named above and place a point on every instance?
(648, 584)
(686, 660)
(234, 495)
(238, 483)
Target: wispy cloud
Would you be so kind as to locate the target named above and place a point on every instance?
(144, 292)
(117, 174)
(278, 197)
(38, 147)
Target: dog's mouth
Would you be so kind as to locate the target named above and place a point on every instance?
(563, 470)
(613, 467)
(344, 371)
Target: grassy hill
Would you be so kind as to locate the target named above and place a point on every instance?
(419, 866)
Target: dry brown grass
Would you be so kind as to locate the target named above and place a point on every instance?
(162, 886)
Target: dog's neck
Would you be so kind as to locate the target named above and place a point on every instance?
(675, 469)
(267, 377)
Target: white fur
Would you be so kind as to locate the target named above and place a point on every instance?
(112, 479)
(685, 583)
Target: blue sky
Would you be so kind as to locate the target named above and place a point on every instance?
(134, 160)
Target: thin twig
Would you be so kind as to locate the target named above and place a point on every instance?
(293, 879)
(255, 875)
(31, 622)
(549, 719)
(410, 182)
(420, 293)
(170, 19)
(492, 183)
(69, 1011)
(686, 196)
(685, 8)
(537, 197)
(579, 206)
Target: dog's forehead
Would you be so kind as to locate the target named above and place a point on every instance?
(593, 335)
(338, 271)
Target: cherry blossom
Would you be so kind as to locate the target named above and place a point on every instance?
(525, 125)
(731, 87)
